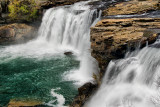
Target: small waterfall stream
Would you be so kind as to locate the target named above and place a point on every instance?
(131, 82)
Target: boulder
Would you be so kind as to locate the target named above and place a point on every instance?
(68, 53)
(16, 33)
(112, 38)
(132, 7)
(84, 92)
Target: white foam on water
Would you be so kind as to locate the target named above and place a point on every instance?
(63, 29)
(59, 98)
(84, 74)
(131, 82)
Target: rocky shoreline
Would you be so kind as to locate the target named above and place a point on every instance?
(110, 38)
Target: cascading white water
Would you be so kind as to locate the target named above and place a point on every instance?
(63, 29)
(131, 82)
(68, 27)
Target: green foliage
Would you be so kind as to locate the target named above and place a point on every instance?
(23, 10)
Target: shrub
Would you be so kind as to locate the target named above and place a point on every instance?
(23, 10)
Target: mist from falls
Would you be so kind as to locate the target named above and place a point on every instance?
(68, 29)
(63, 29)
(131, 82)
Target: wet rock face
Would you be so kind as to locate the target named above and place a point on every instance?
(68, 53)
(0, 11)
(53, 3)
(132, 7)
(103, 4)
(84, 92)
(16, 33)
(112, 38)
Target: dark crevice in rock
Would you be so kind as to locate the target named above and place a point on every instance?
(84, 92)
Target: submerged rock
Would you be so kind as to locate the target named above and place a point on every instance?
(68, 53)
(17, 103)
(16, 33)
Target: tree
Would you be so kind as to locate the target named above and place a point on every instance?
(23, 10)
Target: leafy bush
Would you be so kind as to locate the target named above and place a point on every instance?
(23, 10)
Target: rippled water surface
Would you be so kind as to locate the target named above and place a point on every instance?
(33, 78)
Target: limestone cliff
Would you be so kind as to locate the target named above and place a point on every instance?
(132, 7)
(111, 38)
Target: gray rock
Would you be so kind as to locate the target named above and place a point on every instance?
(16, 33)
(68, 53)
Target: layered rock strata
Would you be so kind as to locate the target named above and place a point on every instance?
(84, 92)
(16, 33)
(112, 38)
(54, 3)
(132, 7)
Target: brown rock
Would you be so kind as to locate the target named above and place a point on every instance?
(84, 92)
(53, 3)
(111, 38)
(132, 7)
(17, 103)
(16, 33)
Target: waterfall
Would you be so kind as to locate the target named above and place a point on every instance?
(63, 29)
(131, 82)
(68, 27)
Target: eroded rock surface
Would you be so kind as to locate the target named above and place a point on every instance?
(132, 7)
(17, 103)
(84, 92)
(14, 33)
(111, 38)
(54, 3)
